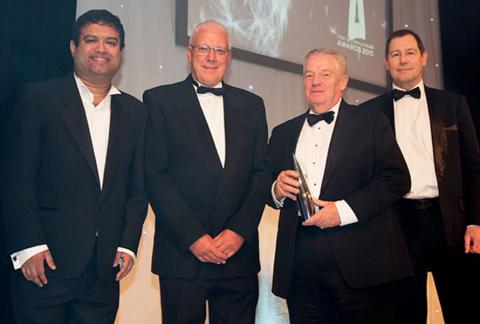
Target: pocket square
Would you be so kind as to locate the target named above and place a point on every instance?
(451, 128)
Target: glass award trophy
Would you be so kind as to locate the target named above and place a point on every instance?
(304, 198)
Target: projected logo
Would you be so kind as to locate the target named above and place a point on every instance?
(356, 20)
(356, 41)
(250, 21)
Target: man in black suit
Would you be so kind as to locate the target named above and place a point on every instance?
(336, 266)
(73, 192)
(206, 179)
(440, 214)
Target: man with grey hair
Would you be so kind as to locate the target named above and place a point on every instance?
(337, 265)
(206, 180)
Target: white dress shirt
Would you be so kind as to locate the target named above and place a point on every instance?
(212, 108)
(98, 119)
(414, 136)
(311, 153)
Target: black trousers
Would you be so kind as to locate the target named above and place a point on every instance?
(230, 301)
(452, 270)
(83, 300)
(6, 312)
(319, 293)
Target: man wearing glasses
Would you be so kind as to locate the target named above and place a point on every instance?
(207, 183)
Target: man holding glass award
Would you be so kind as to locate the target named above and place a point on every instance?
(335, 260)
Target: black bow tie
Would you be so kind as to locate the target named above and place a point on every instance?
(328, 117)
(202, 89)
(399, 94)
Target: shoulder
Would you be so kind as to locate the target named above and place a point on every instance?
(442, 95)
(48, 87)
(287, 126)
(131, 106)
(167, 90)
(241, 94)
(377, 102)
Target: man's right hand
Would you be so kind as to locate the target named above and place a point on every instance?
(287, 185)
(34, 269)
(205, 251)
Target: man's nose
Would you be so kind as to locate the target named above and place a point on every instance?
(101, 47)
(211, 55)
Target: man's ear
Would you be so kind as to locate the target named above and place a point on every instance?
(73, 47)
(424, 58)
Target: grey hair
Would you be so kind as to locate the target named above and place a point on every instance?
(339, 58)
(207, 24)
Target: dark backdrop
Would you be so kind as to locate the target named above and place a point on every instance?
(34, 38)
(460, 32)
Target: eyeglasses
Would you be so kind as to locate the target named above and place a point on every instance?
(205, 49)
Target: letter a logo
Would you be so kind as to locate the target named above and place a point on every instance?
(356, 20)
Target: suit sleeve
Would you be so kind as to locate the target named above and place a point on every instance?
(21, 158)
(136, 205)
(273, 170)
(470, 159)
(166, 201)
(245, 221)
(390, 180)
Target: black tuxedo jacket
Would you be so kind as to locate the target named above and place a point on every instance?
(365, 168)
(51, 193)
(456, 156)
(190, 193)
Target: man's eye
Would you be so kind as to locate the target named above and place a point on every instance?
(220, 50)
(203, 49)
(112, 43)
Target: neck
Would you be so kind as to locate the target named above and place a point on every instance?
(99, 89)
(320, 109)
(407, 86)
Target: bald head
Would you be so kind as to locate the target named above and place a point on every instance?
(209, 52)
(209, 26)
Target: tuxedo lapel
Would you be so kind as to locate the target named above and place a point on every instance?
(439, 137)
(233, 130)
(341, 138)
(120, 134)
(76, 121)
(388, 109)
(291, 141)
(196, 125)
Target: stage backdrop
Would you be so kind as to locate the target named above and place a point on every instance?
(152, 58)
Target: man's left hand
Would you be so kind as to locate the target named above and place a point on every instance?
(228, 242)
(326, 217)
(472, 239)
(125, 261)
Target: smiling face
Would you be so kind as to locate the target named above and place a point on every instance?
(405, 62)
(98, 55)
(324, 81)
(209, 68)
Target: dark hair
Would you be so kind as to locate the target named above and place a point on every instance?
(98, 16)
(401, 33)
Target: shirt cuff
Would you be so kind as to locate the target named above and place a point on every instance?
(20, 257)
(127, 251)
(278, 203)
(347, 216)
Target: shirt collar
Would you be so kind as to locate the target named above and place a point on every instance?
(334, 108)
(218, 85)
(85, 91)
(420, 85)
